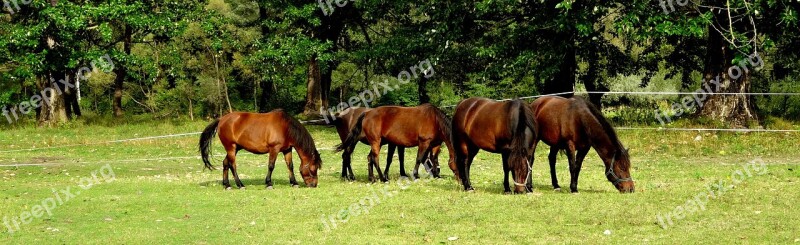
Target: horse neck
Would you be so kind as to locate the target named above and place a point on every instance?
(304, 156)
(605, 146)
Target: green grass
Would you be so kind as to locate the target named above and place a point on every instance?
(176, 201)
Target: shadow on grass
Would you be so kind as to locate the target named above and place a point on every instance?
(255, 183)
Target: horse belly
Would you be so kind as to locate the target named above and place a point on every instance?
(487, 141)
(405, 139)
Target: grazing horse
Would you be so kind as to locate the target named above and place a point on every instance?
(343, 122)
(576, 125)
(424, 126)
(260, 133)
(500, 127)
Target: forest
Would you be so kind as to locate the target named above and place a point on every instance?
(735, 60)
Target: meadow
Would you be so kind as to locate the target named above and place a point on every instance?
(87, 190)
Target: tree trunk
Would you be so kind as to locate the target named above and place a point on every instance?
(564, 79)
(122, 74)
(422, 90)
(313, 102)
(52, 110)
(326, 78)
(191, 110)
(737, 110)
(267, 86)
(319, 81)
(591, 80)
(71, 98)
(267, 96)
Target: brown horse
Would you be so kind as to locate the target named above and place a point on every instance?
(576, 125)
(424, 126)
(500, 127)
(344, 121)
(260, 133)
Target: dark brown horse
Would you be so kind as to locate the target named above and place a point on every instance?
(500, 127)
(260, 133)
(424, 126)
(576, 125)
(344, 121)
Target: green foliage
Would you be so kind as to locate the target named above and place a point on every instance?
(191, 58)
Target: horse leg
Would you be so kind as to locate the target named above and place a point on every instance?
(287, 156)
(345, 162)
(225, 166)
(389, 160)
(422, 151)
(530, 168)
(374, 155)
(470, 157)
(577, 171)
(350, 175)
(232, 160)
(268, 180)
(506, 170)
(552, 157)
(434, 156)
(573, 186)
(401, 151)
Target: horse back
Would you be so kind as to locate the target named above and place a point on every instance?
(559, 122)
(404, 126)
(255, 132)
(345, 121)
(484, 123)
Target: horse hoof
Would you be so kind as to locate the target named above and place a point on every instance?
(241, 188)
(295, 186)
(228, 188)
(269, 187)
(557, 189)
(507, 193)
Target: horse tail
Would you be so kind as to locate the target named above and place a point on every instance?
(205, 142)
(352, 138)
(526, 114)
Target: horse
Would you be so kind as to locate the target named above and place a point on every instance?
(343, 122)
(576, 125)
(505, 127)
(260, 133)
(424, 126)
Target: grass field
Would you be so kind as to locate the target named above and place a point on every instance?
(138, 199)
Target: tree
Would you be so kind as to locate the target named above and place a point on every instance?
(725, 33)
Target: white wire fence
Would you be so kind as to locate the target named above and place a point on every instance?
(736, 130)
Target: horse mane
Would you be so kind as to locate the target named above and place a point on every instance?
(302, 139)
(609, 130)
(441, 120)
